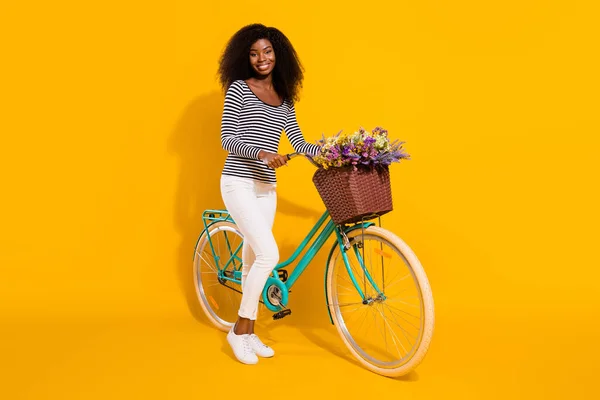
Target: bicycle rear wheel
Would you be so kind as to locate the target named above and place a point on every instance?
(387, 329)
(218, 292)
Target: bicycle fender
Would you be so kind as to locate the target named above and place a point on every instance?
(205, 231)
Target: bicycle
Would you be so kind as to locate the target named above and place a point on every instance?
(356, 290)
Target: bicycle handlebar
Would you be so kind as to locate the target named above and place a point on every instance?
(294, 155)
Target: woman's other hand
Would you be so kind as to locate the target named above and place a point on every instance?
(273, 160)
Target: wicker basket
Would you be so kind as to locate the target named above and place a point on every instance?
(351, 196)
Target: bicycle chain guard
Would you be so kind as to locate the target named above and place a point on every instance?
(274, 295)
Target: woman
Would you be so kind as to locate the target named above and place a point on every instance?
(261, 75)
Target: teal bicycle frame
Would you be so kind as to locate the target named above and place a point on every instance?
(211, 217)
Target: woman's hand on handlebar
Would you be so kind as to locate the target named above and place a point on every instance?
(273, 160)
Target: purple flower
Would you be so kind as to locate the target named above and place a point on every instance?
(350, 153)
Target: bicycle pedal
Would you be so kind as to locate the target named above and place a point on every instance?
(282, 313)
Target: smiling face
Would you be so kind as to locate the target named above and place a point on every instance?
(262, 57)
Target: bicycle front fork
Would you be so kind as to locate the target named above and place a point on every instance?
(346, 245)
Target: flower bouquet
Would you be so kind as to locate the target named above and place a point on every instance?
(353, 177)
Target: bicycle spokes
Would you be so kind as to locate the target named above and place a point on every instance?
(218, 272)
(376, 299)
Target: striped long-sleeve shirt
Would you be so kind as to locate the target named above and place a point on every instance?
(249, 125)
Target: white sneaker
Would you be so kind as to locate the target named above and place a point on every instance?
(259, 347)
(240, 344)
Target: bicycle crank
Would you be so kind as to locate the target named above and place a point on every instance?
(274, 295)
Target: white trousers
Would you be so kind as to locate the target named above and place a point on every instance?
(252, 206)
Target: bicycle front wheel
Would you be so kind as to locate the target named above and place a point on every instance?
(387, 327)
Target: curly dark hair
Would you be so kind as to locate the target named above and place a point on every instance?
(234, 63)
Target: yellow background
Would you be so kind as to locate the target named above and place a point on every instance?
(110, 151)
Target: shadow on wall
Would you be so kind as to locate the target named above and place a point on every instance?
(196, 141)
(289, 207)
